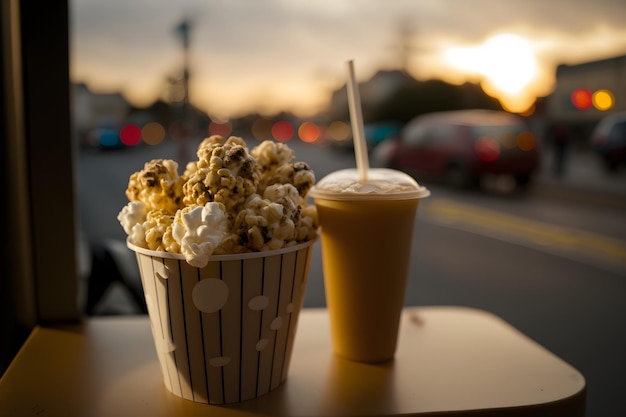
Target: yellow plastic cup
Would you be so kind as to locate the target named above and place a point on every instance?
(366, 236)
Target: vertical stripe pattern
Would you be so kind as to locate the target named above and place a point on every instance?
(224, 333)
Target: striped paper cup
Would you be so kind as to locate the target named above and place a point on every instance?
(224, 333)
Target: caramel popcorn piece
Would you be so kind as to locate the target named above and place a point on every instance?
(227, 175)
(276, 161)
(158, 186)
(155, 227)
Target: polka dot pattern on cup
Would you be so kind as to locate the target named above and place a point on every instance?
(277, 323)
(210, 295)
(261, 344)
(260, 302)
(219, 361)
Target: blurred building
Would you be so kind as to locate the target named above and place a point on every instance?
(587, 92)
(95, 110)
(379, 88)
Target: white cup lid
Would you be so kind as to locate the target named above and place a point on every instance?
(381, 184)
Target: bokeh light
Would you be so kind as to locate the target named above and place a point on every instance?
(603, 100)
(526, 141)
(177, 130)
(261, 129)
(509, 140)
(581, 98)
(130, 135)
(220, 128)
(109, 138)
(339, 130)
(153, 133)
(282, 131)
(308, 132)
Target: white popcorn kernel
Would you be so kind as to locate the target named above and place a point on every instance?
(200, 231)
(137, 236)
(132, 214)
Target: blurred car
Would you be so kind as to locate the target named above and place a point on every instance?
(375, 134)
(464, 148)
(608, 139)
(105, 137)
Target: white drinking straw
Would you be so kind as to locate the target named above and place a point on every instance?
(356, 117)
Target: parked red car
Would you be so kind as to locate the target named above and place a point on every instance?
(464, 147)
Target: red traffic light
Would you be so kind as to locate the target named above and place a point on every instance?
(581, 98)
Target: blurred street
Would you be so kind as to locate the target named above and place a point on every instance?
(551, 261)
(584, 173)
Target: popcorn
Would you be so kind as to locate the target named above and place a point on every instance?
(271, 154)
(134, 212)
(229, 200)
(269, 222)
(199, 230)
(276, 161)
(158, 186)
(225, 172)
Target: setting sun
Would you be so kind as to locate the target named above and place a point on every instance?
(507, 65)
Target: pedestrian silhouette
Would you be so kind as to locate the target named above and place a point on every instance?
(560, 141)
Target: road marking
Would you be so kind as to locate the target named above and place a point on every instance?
(618, 203)
(516, 229)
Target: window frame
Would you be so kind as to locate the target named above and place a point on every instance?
(39, 224)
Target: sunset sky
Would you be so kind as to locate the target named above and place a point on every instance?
(273, 55)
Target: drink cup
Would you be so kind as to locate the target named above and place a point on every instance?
(366, 230)
(224, 333)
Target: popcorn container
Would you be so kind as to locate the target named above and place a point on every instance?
(224, 333)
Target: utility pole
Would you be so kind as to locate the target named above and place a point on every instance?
(407, 46)
(404, 47)
(183, 29)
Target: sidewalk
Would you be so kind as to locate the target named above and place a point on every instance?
(584, 173)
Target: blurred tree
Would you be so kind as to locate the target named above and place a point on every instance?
(159, 110)
(429, 96)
